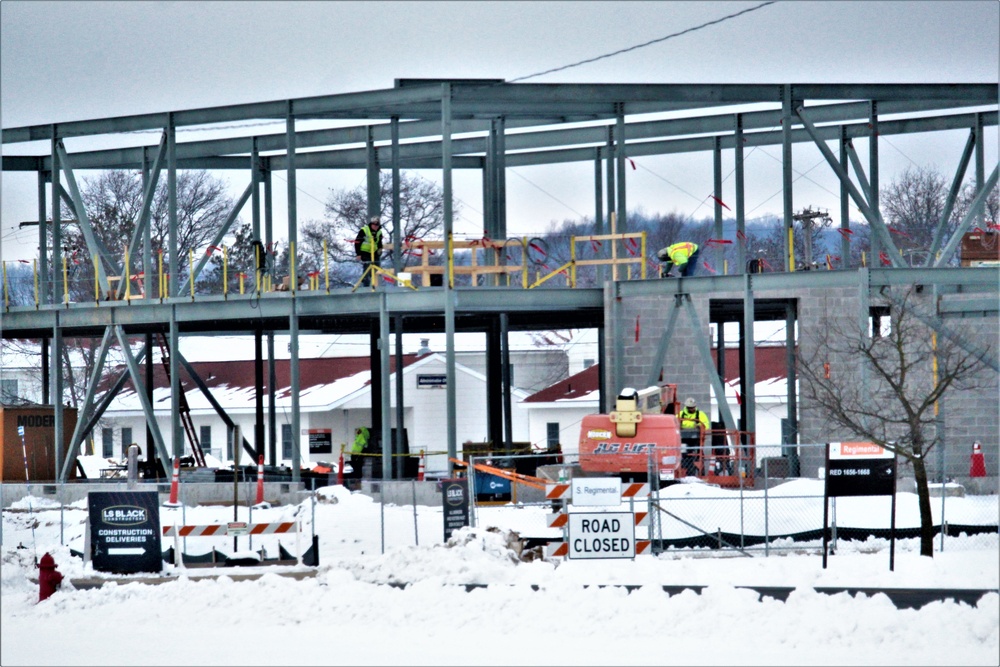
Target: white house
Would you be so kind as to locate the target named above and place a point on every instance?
(334, 399)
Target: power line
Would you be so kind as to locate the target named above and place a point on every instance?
(645, 44)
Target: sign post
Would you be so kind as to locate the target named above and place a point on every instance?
(860, 469)
(125, 531)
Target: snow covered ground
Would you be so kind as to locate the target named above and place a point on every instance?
(530, 613)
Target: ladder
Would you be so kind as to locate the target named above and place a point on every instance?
(185, 411)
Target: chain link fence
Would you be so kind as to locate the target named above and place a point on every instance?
(774, 513)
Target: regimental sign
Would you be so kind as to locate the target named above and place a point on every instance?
(432, 381)
(601, 535)
(860, 469)
(125, 531)
(455, 501)
(320, 441)
(596, 491)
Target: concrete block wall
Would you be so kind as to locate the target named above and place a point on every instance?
(968, 416)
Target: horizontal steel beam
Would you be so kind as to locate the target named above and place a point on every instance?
(352, 310)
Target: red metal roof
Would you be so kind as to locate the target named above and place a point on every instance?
(769, 364)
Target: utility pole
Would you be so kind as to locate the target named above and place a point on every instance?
(807, 217)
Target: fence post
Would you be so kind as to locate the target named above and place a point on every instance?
(767, 539)
(416, 532)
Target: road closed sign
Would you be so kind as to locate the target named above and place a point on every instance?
(601, 535)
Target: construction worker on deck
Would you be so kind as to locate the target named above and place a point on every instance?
(693, 423)
(682, 255)
(368, 247)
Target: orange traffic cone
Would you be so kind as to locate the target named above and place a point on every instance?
(175, 482)
(420, 470)
(977, 467)
(260, 483)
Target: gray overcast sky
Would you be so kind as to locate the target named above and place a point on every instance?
(65, 61)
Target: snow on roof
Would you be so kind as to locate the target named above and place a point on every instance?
(324, 383)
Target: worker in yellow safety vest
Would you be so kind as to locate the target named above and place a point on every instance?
(694, 423)
(368, 246)
(361, 436)
(683, 256)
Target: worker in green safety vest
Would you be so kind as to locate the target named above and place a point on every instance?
(361, 436)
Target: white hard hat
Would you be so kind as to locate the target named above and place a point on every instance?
(689, 403)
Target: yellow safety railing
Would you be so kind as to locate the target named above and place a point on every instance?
(473, 262)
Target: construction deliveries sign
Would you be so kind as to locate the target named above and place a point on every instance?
(125, 531)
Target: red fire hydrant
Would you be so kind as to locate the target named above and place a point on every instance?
(49, 578)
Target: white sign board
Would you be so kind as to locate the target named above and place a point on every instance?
(596, 491)
(601, 535)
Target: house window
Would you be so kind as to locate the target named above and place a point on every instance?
(107, 443)
(205, 439)
(8, 391)
(587, 363)
(552, 435)
(286, 441)
(126, 440)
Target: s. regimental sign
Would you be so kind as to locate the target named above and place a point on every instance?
(860, 469)
(125, 531)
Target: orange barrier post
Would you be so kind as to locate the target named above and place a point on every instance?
(977, 467)
(340, 467)
(174, 483)
(420, 470)
(260, 482)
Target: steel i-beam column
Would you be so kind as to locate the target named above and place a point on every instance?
(57, 251)
(397, 233)
(717, 208)
(508, 419)
(610, 183)
(741, 243)
(172, 248)
(622, 223)
(786, 172)
(272, 412)
(845, 204)
(449, 288)
(293, 224)
(43, 241)
(792, 450)
(980, 163)
(293, 347)
(873, 198)
(500, 164)
(372, 171)
(176, 435)
(258, 377)
(748, 370)
(400, 415)
(494, 383)
(57, 394)
(385, 428)
(147, 252)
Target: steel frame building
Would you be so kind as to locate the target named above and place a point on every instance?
(484, 125)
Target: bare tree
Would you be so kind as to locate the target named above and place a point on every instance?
(113, 201)
(881, 386)
(914, 203)
(421, 214)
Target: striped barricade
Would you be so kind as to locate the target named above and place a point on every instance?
(235, 528)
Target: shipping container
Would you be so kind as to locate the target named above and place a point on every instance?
(35, 456)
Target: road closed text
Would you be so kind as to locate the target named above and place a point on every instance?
(601, 535)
